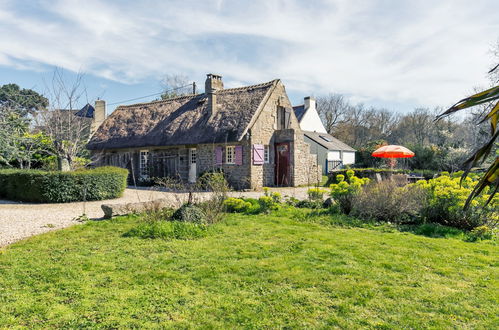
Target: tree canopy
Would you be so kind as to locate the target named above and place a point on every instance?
(23, 101)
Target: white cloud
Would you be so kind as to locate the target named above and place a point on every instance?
(425, 53)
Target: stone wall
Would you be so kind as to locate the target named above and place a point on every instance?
(303, 165)
(237, 175)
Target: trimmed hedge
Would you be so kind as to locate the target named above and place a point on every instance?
(62, 187)
(371, 173)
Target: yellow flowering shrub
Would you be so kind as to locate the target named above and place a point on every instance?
(236, 205)
(316, 194)
(346, 188)
(447, 196)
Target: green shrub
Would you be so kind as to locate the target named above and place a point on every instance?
(309, 204)
(168, 230)
(316, 194)
(383, 172)
(236, 205)
(62, 187)
(344, 191)
(267, 204)
(189, 213)
(480, 233)
(446, 198)
(158, 214)
(255, 205)
(212, 180)
(276, 196)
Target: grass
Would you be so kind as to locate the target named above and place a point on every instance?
(280, 270)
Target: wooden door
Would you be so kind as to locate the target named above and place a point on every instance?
(282, 158)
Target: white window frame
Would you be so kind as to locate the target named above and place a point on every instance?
(266, 154)
(144, 163)
(230, 155)
(193, 156)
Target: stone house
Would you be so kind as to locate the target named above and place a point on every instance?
(331, 152)
(250, 133)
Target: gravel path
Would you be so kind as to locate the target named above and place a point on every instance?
(22, 220)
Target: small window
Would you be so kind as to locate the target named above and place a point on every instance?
(144, 163)
(266, 154)
(230, 154)
(283, 118)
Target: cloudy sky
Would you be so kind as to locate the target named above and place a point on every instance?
(396, 54)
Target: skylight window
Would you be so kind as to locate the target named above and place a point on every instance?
(325, 138)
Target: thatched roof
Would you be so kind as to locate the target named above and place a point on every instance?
(182, 120)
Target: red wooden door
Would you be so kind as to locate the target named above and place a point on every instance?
(282, 156)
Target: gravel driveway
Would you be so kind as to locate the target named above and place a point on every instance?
(22, 220)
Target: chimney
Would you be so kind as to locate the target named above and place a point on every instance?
(309, 102)
(212, 84)
(99, 115)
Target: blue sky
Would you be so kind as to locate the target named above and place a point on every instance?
(394, 54)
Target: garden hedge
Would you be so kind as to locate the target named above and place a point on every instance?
(385, 173)
(62, 187)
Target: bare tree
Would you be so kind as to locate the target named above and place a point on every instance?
(332, 109)
(494, 71)
(174, 85)
(69, 133)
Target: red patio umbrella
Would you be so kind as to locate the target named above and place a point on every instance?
(393, 151)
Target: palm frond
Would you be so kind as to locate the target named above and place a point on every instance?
(491, 176)
(473, 100)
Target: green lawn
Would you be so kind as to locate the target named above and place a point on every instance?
(251, 271)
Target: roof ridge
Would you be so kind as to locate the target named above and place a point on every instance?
(235, 89)
(160, 101)
(268, 83)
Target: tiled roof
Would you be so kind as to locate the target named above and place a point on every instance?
(327, 141)
(299, 111)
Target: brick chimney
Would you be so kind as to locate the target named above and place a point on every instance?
(99, 115)
(212, 84)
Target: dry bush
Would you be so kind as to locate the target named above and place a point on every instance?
(208, 193)
(389, 201)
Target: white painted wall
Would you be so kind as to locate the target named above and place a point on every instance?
(333, 155)
(311, 120)
(348, 157)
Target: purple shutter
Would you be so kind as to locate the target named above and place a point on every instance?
(258, 152)
(218, 156)
(239, 155)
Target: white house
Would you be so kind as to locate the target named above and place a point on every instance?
(331, 152)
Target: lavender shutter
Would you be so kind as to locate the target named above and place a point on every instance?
(239, 155)
(218, 156)
(258, 152)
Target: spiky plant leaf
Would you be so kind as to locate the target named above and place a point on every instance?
(492, 174)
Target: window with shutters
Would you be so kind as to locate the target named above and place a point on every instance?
(283, 118)
(230, 155)
(266, 154)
